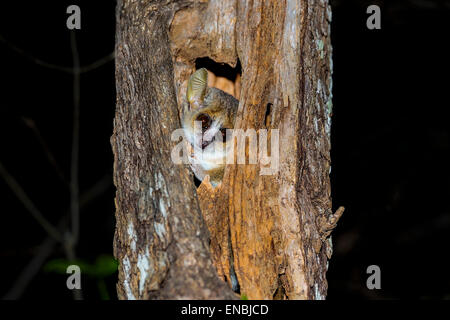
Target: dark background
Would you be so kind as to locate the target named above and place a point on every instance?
(390, 145)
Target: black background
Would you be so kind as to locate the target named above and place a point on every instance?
(390, 143)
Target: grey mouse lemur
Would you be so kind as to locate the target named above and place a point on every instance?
(216, 111)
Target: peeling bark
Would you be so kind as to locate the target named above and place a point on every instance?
(275, 228)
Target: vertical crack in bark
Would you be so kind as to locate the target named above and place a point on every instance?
(280, 293)
(268, 115)
(233, 277)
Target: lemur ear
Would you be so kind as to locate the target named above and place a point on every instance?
(196, 87)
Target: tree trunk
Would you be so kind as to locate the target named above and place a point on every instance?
(271, 231)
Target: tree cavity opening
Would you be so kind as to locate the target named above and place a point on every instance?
(221, 75)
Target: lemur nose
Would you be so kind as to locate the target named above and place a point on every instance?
(206, 121)
(205, 144)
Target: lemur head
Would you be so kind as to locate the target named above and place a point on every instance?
(215, 111)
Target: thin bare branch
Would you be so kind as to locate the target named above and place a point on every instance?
(31, 269)
(96, 64)
(50, 157)
(47, 246)
(26, 201)
(74, 200)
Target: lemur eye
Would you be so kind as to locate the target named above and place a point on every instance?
(206, 121)
(224, 134)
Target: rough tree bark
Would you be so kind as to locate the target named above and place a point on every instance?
(274, 229)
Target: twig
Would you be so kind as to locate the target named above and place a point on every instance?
(74, 201)
(72, 237)
(31, 270)
(96, 64)
(32, 125)
(26, 201)
(47, 246)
